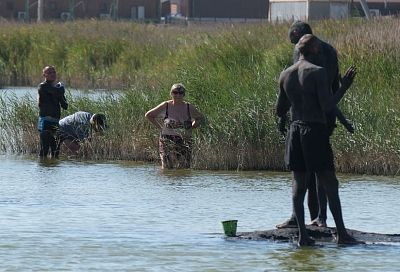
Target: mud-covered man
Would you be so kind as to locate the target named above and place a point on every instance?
(304, 90)
(327, 58)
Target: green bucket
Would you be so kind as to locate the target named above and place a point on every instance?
(230, 227)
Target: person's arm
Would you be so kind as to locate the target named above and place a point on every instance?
(343, 120)
(282, 107)
(336, 82)
(334, 65)
(63, 102)
(282, 103)
(197, 117)
(40, 95)
(152, 114)
(327, 100)
(61, 95)
(344, 81)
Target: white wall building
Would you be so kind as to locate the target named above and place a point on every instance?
(287, 10)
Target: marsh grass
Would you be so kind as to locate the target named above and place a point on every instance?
(231, 75)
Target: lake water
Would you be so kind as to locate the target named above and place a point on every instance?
(32, 92)
(88, 216)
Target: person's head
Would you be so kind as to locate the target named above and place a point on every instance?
(297, 30)
(178, 91)
(308, 45)
(49, 73)
(98, 122)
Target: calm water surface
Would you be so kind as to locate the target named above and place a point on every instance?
(81, 216)
(32, 92)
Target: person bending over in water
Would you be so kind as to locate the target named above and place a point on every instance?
(327, 58)
(175, 118)
(304, 90)
(78, 127)
(51, 97)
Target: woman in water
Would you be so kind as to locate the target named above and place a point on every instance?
(176, 118)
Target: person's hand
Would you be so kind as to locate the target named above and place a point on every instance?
(348, 78)
(60, 87)
(282, 126)
(349, 126)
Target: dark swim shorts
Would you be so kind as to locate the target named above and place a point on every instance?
(308, 148)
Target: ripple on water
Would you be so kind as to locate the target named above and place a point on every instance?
(71, 215)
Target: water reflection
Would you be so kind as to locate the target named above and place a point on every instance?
(315, 258)
(176, 174)
(48, 162)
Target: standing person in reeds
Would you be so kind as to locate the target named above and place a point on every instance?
(175, 118)
(304, 90)
(51, 97)
(327, 58)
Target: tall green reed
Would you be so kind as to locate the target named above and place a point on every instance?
(231, 75)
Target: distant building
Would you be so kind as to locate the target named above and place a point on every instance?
(173, 8)
(286, 10)
(214, 9)
(26, 10)
(378, 7)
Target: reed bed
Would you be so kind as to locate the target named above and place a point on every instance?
(231, 74)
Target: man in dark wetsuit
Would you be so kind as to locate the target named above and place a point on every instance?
(304, 90)
(51, 97)
(327, 58)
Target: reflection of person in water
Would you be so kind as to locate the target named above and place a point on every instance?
(304, 90)
(78, 127)
(176, 118)
(327, 58)
(51, 97)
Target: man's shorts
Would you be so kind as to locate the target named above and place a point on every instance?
(308, 148)
(47, 123)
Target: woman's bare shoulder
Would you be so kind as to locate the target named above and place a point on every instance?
(164, 103)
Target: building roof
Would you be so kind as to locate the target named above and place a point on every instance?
(346, 1)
